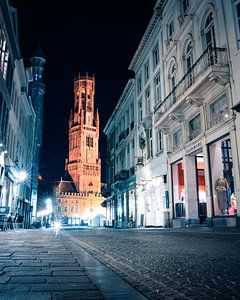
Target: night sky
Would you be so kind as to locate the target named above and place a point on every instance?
(99, 37)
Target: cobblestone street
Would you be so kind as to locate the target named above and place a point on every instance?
(164, 264)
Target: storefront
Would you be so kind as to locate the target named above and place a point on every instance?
(125, 204)
(222, 177)
(178, 188)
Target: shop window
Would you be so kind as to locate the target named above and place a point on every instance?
(218, 111)
(178, 189)
(132, 208)
(194, 127)
(224, 200)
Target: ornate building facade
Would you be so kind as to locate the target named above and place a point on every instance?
(79, 201)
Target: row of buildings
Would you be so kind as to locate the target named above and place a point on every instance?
(21, 104)
(173, 138)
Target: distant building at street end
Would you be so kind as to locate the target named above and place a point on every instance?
(77, 201)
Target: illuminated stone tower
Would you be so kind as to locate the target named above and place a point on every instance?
(83, 163)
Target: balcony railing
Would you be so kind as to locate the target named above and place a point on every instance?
(210, 57)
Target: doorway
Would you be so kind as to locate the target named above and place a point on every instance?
(201, 188)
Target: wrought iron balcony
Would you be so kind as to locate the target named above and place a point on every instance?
(214, 60)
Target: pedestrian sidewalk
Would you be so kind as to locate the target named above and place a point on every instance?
(234, 231)
(42, 265)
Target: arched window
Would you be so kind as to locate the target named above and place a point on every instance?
(172, 82)
(188, 62)
(209, 37)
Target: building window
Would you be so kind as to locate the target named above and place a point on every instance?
(189, 62)
(237, 17)
(194, 127)
(146, 72)
(150, 143)
(177, 139)
(172, 82)
(4, 54)
(157, 88)
(140, 111)
(155, 56)
(185, 6)
(218, 111)
(148, 100)
(209, 37)
(159, 141)
(170, 29)
(89, 141)
(65, 209)
(139, 85)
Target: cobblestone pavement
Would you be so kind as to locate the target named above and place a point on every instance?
(36, 264)
(169, 264)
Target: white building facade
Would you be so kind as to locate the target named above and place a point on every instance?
(187, 115)
(195, 113)
(121, 144)
(151, 174)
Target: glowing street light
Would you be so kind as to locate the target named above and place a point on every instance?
(22, 176)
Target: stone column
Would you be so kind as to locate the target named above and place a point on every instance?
(190, 182)
(207, 175)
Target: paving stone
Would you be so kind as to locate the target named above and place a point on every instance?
(63, 287)
(65, 268)
(68, 273)
(27, 279)
(78, 295)
(72, 279)
(24, 268)
(31, 273)
(26, 296)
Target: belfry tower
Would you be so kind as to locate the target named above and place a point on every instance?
(83, 163)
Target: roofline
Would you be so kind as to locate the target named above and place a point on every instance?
(157, 11)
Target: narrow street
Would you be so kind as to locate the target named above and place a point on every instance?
(119, 264)
(169, 264)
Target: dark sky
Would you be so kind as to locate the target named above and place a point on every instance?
(100, 37)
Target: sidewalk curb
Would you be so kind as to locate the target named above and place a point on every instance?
(110, 285)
